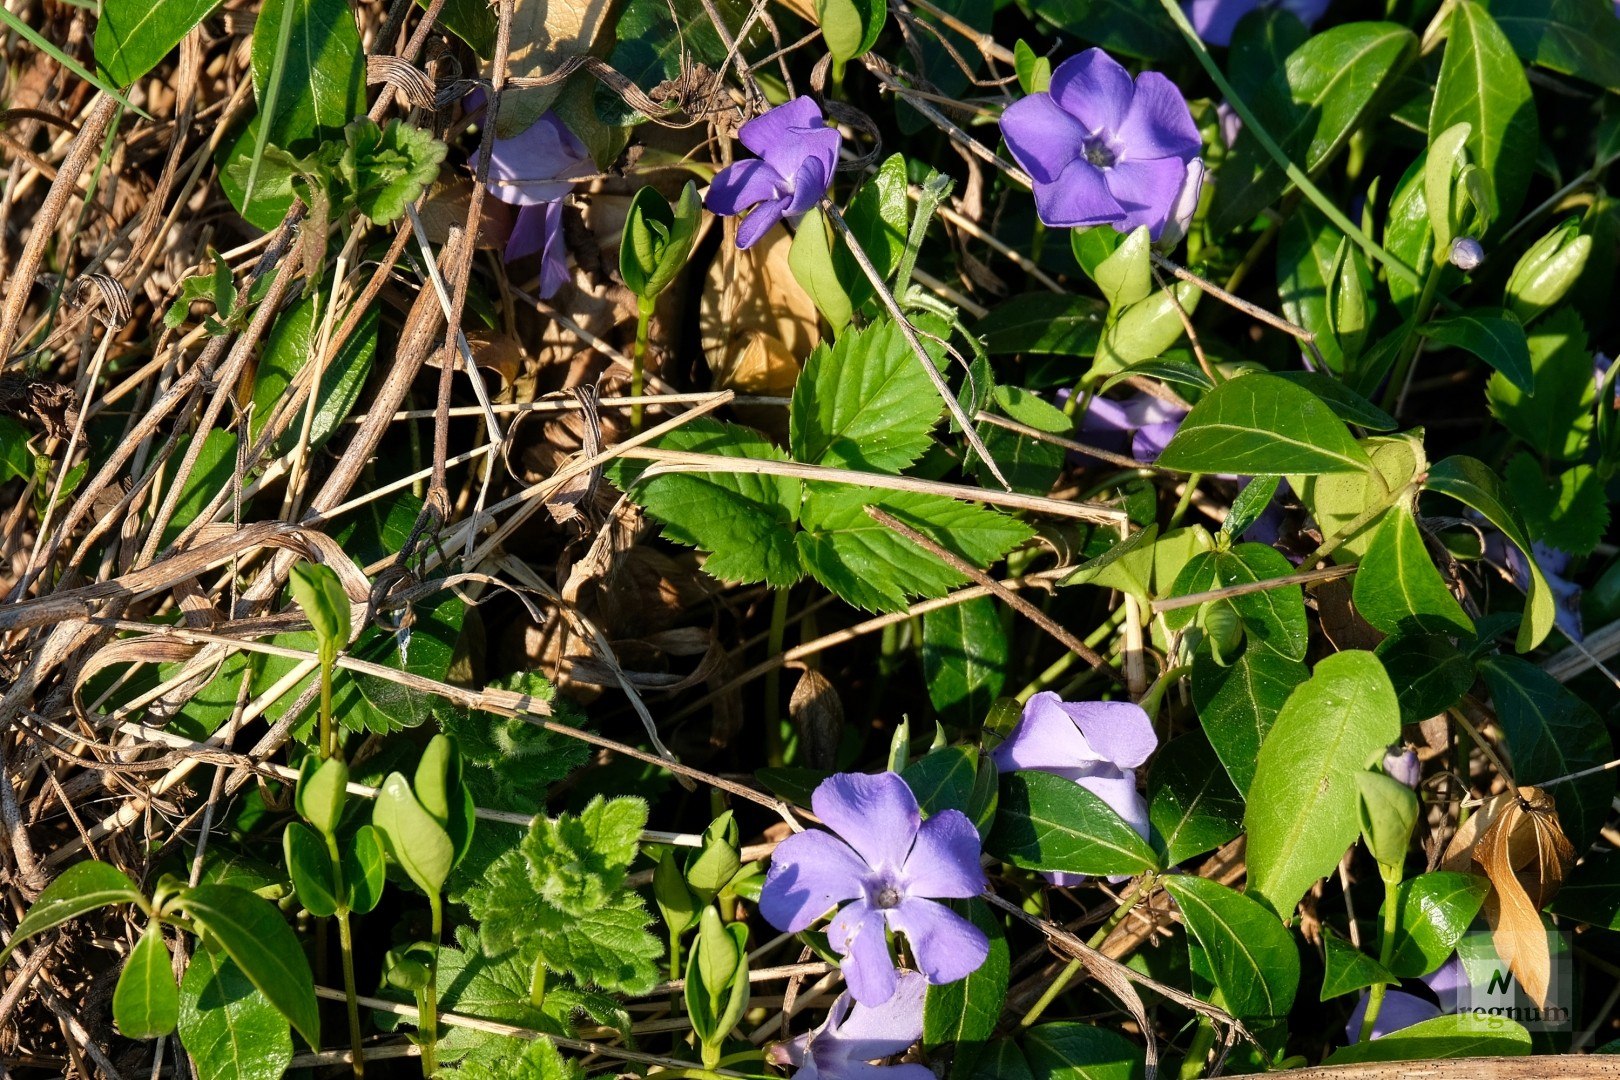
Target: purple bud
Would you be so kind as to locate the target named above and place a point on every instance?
(1466, 253)
(1405, 767)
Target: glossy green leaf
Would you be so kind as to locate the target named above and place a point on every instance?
(1429, 673)
(254, 935)
(965, 654)
(1125, 276)
(1483, 84)
(1388, 811)
(1238, 704)
(1030, 465)
(943, 779)
(229, 1028)
(1123, 27)
(657, 239)
(364, 866)
(1552, 733)
(440, 790)
(1348, 405)
(850, 27)
(811, 260)
(879, 219)
(1432, 912)
(146, 1001)
(411, 836)
(1070, 1051)
(292, 342)
(864, 403)
(320, 594)
(1251, 955)
(1572, 37)
(1260, 425)
(310, 867)
(1472, 483)
(1348, 969)
(1191, 801)
(999, 1059)
(1046, 822)
(1326, 90)
(322, 785)
(655, 38)
(1302, 804)
(1398, 589)
(1491, 335)
(1273, 618)
(1044, 322)
(1556, 420)
(133, 36)
(967, 1011)
(1454, 1035)
(81, 888)
(1447, 156)
(322, 78)
(1591, 893)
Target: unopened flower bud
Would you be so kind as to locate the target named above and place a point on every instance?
(1466, 253)
(1548, 270)
(1405, 767)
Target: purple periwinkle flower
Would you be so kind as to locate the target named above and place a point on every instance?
(1143, 423)
(1102, 149)
(1403, 1010)
(1216, 19)
(853, 1035)
(1403, 765)
(797, 152)
(534, 171)
(894, 866)
(1097, 744)
(1554, 564)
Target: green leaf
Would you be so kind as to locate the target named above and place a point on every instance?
(1472, 483)
(850, 27)
(1389, 810)
(1046, 822)
(1238, 704)
(999, 1059)
(1302, 804)
(1454, 1035)
(1591, 893)
(1348, 969)
(1191, 801)
(1483, 84)
(413, 839)
(744, 520)
(811, 260)
(875, 568)
(966, 1011)
(1034, 72)
(879, 218)
(1556, 421)
(943, 779)
(1306, 249)
(1325, 92)
(1251, 955)
(1432, 911)
(1348, 405)
(212, 472)
(1260, 425)
(1249, 504)
(1274, 617)
(1398, 589)
(657, 239)
(1030, 465)
(864, 403)
(322, 785)
(146, 1001)
(388, 168)
(442, 794)
(81, 888)
(364, 867)
(320, 594)
(1044, 322)
(229, 1028)
(17, 23)
(16, 460)
(1070, 1051)
(253, 934)
(1430, 674)
(310, 867)
(1493, 336)
(1123, 27)
(133, 36)
(1446, 159)
(1551, 733)
(322, 78)
(292, 341)
(965, 654)
(1125, 277)
(655, 38)
(1571, 512)
(1572, 37)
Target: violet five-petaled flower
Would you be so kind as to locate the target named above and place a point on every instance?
(1140, 423)
(853, 1035)
(1403, 1010)
(1103, 149)
(535, 170)
(893, 866)
(1097, 744)
(797, 153)
(1216, 19)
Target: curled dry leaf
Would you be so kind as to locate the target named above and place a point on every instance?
(819, 716)
(544, 34)
(1519, 844)
(756, 320)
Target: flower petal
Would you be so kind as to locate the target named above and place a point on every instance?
(789, 134)
(1400, 1010)
(860, 1070)
(810, 183)
(1080, 197)
(1117, 788)
(760, 221)
(1116, 731)
(554, 258)
(947, 947)
(810, 872)
(1146, 190)
(944, 860)
(1216, 19)
(1158, 124)
(1093, 88)
(1042, 137)
(876, 815)
(857, 934)
(539, 164)
(1045, 738)
(1150, 440)
(875, 1031)
(528, 232)
(1448, 981)
(740, 185)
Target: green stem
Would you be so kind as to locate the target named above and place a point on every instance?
(427, 1020)
(1414, 340)
(1192, 1066)
(346, 948)
(1065, 976)
(328, 737)
(1386, 947)
(1185, 502)
(537, 984)
(644, 310)
(773, 679)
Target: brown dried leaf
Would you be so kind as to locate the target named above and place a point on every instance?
(544, 34)
(819, 716)
(753, 302)
(1525, 854)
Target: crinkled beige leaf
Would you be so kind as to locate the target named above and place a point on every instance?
(757, 323)
(544, 34)
(1525, 854)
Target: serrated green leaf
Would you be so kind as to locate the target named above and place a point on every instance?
(387, 168)
(1570, 512)
(864, 403)
(1260, 425)
(229, 1028)
(1572, 37)
(1047, 822)
(1302, 804)
(146, 1001)
(1556, 420)
(1251, 955)
(254, 935)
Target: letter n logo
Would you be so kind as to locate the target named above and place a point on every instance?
(1501, 983)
